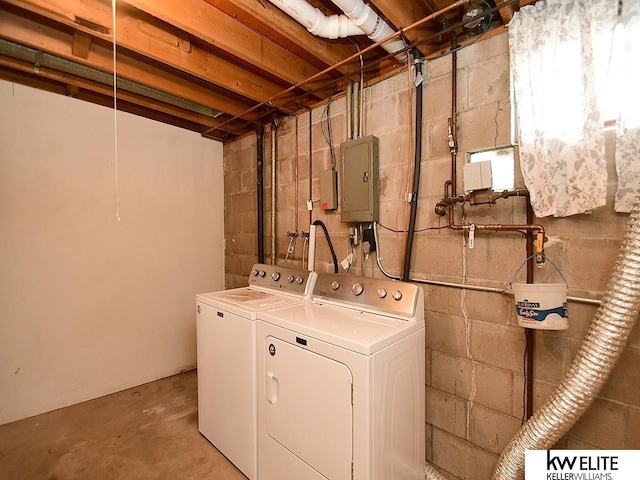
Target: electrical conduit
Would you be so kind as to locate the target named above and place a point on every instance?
(274, 188)
(260, 188)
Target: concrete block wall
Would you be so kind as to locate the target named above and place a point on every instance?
(474, 347)
(240, 210)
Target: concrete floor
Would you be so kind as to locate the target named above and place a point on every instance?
(146, 432)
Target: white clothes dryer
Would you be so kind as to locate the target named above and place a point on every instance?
(226, 346)
(341, 383)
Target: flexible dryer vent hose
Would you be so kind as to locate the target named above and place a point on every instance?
(592, 365)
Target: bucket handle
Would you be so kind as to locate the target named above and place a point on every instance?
(529, 258)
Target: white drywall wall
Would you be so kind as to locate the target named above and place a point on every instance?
(90, 305)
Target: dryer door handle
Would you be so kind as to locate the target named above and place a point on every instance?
(272, 388)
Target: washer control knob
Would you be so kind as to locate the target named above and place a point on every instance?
(335, 285)
(382, 292)
(357, 289)
(299, 280)
(254, 272)
(397, 295)
(290, 278)
(262, 273)
(275, 276)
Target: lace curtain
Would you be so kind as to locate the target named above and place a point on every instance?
(628, 102)
(559, 52)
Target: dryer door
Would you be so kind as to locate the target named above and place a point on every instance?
(309, 407)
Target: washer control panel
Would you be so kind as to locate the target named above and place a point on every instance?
(290, 280)
(381, 295)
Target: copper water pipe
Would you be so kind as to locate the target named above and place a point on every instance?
(310, 165)
(500, 228)
(453, 142)
(470, 197)
(450, 187)
(497, 227)
(297, 155)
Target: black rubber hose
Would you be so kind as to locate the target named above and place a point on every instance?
(326, 235)
(416, 175)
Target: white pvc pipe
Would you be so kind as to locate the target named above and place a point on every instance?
(371, 24)
(335, 26)
(312, 248)
(332, 26)
(360, 19)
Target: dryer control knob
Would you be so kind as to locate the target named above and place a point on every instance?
(262, 273)
(299, 280)
(290, 278)
(335, 285)
(275, 276)
(382, 292)
(254, 272)
(397, 295)
(357, 289)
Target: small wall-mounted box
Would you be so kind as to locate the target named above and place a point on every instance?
(329, 190)
(477, 176)
(359, 175)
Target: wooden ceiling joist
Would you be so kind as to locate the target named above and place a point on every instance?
(276, 25)
(130, 35)
(106, 90)
(213, 66)
(197, 18)
(26, 32)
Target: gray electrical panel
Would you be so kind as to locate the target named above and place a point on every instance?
(359, 179)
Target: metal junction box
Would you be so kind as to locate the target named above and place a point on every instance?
(359, 179)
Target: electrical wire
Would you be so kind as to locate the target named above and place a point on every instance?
(378, 256)
(476, 37)
(416, 231)
(329, 139)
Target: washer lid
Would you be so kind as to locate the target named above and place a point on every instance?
(355, 330)
(246, 301)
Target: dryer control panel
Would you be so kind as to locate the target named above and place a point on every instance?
(389, 297)
(283, 279)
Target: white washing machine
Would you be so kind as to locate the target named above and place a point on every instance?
(226, 342)
(341, 383)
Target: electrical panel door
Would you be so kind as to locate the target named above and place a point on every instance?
(359, 174)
